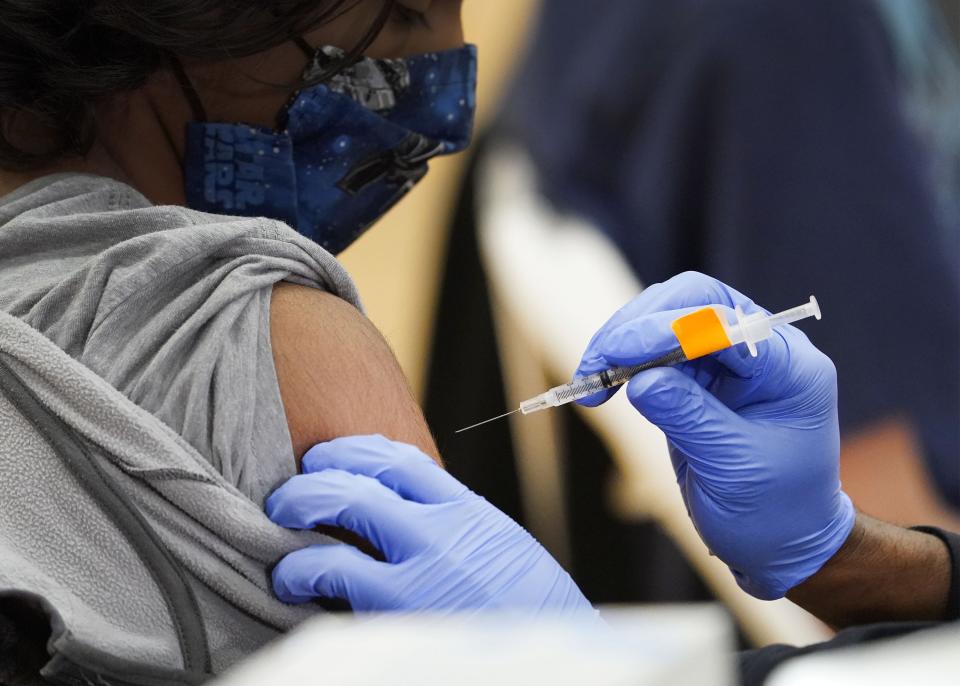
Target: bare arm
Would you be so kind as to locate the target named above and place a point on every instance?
(882, 573)
(337, 375)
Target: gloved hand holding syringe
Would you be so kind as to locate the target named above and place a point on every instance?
(699, 333)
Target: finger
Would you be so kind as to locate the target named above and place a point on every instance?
(400, 467)
(705, 430)
(642, 339)
(687, 290)
(679, 462)
(680, 468)
(598, 398)
(635, 341)
(330, 571)
(593, 362)
(353, 502)
(791, 372)
(649, 301)
(646, 338)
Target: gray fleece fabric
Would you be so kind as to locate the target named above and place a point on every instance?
(168, 305)
(141, 428)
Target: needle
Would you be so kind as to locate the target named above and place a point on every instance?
(472, 426)
(705, 331)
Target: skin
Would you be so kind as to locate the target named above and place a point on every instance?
(141, 135)
(322, 343)
(141, 143)
(882, 573)
(882, 471)
(316, 337)
(319, 342)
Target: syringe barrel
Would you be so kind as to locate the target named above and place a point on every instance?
(749, 329)
(610, 378)
(580, 388)
(588, 385)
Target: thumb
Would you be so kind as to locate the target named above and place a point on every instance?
(693, 419)
(330, 571)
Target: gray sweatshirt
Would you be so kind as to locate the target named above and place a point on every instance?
(141, 427)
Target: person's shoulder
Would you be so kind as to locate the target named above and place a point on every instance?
(92, 254)
(337, 374)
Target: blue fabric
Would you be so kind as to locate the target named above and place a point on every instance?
(762, 142)
(351, 147)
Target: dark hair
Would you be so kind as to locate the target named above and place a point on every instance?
(58, 58)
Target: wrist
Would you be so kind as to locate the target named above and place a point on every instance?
(881, 573)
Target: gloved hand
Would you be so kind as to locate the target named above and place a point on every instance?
(446, 548)
(754, 441)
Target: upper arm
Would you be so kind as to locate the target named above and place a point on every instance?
(337, 375)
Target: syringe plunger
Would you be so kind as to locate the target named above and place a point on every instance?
(699, 333)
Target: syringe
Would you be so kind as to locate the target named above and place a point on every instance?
(699, 333)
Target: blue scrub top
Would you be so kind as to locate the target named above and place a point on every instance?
(762, 142)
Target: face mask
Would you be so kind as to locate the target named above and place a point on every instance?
(345, 151)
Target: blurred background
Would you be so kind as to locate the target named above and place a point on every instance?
(785, 147)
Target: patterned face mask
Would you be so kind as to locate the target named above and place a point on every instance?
(345, 151)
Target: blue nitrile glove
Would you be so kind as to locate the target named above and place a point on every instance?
(445, 547)
(754, 441)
